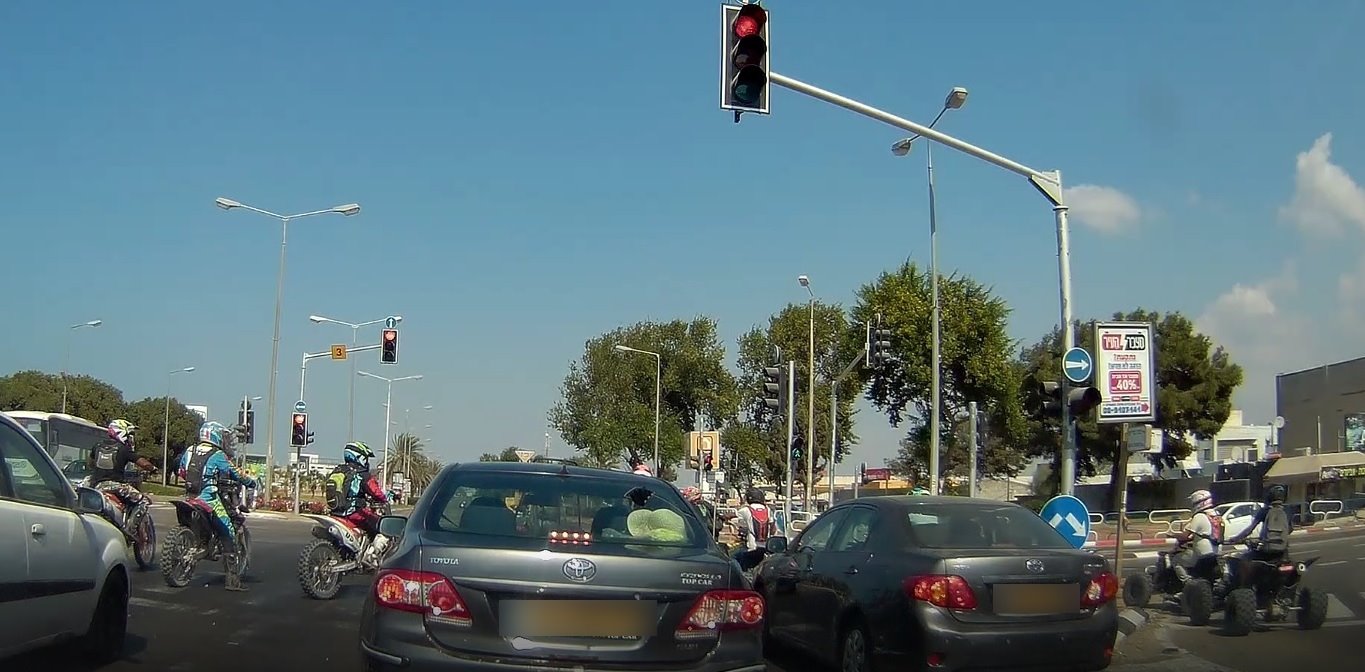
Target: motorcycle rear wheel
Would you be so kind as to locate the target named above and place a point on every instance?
(243, 549)
(315, 575)
(176, 569)
(144, 540)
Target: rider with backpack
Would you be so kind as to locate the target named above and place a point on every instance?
(1272, 545)
(351, 490)
(756, 521)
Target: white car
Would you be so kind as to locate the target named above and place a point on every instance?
(64, 573)
(1237, 516)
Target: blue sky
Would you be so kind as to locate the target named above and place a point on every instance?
(533, 174)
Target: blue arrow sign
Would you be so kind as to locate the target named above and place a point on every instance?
(300, 407)
(390, 322)
(1069, 517)
(1077, 365)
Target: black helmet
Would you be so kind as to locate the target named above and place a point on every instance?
(1275, 494)
(753, 496)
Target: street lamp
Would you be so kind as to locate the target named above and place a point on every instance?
(955, 100)
(388, 408)
(355, 327)
(66, 364)
(228, 204)
(658, 396)
(166, 428)
(810, 404)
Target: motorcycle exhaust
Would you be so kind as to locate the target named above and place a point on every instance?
(344, 567)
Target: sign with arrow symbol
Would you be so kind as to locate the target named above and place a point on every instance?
(1077, 365)
(1069, 517)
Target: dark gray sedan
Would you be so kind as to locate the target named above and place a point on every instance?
(938, 583)
(508, 566)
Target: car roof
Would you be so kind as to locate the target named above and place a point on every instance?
(552, 468)
(897, 502)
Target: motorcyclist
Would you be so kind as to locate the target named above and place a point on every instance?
(351, 489)
(705, 510)
(1272, 544)
(638, 466)
(1199, 541)
(108, 461)
(203, 468)
(755, 520)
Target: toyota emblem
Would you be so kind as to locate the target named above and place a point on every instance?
(1032, 564)
(579, 570)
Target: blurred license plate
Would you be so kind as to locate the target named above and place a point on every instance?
(578, 618)
(1036, 598)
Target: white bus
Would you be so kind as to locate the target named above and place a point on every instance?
(67, 438)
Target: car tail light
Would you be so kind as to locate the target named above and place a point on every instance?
(719, 610)
(426, 593)
(1100, 591)
(941, 590)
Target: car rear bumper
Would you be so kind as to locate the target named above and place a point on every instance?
(399, 641)
(1082, 644)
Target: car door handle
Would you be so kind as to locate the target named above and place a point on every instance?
(851, 570)
(37, 530)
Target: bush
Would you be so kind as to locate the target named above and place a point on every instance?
(286, 505)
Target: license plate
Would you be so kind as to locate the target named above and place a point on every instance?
(578, 618)
(1032, 599)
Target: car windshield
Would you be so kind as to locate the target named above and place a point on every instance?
(536, 510)
(976, 527)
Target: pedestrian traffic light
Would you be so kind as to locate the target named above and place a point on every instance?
(744, 58)
(298, 436)
(1080, 400)
(388, 342)
(797, 449)
(878, 345)
(775, 388)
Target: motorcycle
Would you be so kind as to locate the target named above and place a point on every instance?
(340, 547)
(1269, 590)
(136, 524)
(196, 536)
(1198, 595)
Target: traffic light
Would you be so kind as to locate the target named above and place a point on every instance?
(878, 345)
(775, 388)
(298, 436)
(388, 343)
(310, 437)
(706, 462)
(1080, 400)
(744, 58)
(250, 423)
(798, 444)
(862, 473)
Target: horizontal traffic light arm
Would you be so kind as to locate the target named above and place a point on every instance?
(328, 354)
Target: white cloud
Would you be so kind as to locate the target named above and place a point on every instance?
(1326, 198)
(1104, 209)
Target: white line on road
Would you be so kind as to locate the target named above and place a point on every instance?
(1334, 562)
(1336, 609)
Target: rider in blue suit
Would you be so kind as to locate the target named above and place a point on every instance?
(203, 467)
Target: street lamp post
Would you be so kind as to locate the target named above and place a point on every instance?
(810, 405)
(228, 204)
(66, 363)
(355, 328)
(166, 428)
(658, 396)
(407, 454)
(388, 409)
(955, 99)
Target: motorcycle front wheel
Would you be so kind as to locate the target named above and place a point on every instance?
(316, 577)
(144, 540)
(177, 563)
(243, 549)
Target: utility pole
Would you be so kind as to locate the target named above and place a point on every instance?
(971, 471)
(791, 438)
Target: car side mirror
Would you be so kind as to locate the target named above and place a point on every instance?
(89, 500)
(393, 526)
(776, 545)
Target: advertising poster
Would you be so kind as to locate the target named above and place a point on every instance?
(1125, 372)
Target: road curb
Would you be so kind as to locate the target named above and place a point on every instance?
(1130, 621)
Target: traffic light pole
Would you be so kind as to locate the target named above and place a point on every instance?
(303, 368)
(791, 437)
(1048, 183)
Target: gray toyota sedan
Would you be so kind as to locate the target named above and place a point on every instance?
(508, 566)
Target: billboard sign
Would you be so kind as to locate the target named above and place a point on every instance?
(1125, 372)
(203, 411)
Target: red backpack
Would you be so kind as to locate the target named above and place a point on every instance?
(764, 525)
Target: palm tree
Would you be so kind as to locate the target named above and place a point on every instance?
(406, 456)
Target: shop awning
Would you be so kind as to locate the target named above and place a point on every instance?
(1309, 467)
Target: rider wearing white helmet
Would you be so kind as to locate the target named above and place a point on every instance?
(1200, 539)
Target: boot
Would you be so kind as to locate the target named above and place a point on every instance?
(1181, 574)
(233, 580)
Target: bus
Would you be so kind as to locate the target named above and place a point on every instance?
(66, 438)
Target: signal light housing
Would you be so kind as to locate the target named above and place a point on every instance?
(388, 341)
(298, 434)
(744, 69)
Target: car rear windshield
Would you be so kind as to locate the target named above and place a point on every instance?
(980, 527)
(520, 510)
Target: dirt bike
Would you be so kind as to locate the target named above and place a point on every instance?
(340, 548)
(1268, 591)
(135, 523)
(196, 536)
(1198, 595)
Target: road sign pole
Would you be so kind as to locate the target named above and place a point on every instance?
(787, 457)
(1122, 455)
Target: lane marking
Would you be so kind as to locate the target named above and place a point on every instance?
(1336, 609)
(1333, 563)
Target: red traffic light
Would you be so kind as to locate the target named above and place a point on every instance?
(390, 334)
(749, 21)
(300, 418)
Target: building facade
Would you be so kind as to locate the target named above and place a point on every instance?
(1323, 409)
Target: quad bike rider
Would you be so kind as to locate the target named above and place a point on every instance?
(206, 468)
(1263, 582)
(129, 513)
(756, 524)
(1192, 573)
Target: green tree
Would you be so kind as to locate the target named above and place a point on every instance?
(607, 405)
(977, 364)
(87, 397)
(407, 455)
(149, 415)
(1195, 381)
(508, 454)
(756, 441)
